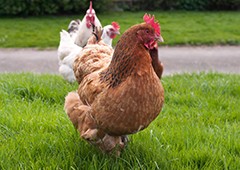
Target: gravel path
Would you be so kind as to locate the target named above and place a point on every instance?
(224, 59)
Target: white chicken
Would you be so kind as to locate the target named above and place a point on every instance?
(68, 50)
(85, 28)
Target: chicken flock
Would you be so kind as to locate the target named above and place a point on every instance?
(120, 91)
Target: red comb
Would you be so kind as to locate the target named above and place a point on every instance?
(150, 20)
(90, 7)
(115, 25)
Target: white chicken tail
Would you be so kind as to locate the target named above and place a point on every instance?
(73, 27)
(66, 45)
(66, 65)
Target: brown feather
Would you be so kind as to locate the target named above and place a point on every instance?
(156, 63)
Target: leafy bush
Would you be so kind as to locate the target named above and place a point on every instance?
(28, 7)
(185, 5)
(224, 4)
(45, 7)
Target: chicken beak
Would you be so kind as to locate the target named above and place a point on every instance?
(159, 38)
(116, 32)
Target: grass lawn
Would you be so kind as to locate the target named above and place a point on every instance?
(199, 127)
(178, 28)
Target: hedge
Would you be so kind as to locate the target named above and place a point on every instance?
(197, 5)
(46, 7)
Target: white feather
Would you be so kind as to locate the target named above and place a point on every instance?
(66, 65)
(66, 45)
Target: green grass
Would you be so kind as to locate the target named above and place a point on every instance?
(178, 28)
(199, 127)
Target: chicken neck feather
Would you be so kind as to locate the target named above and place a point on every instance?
(129, 56)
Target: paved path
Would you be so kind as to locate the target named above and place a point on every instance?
(29, 60)
(225, 59)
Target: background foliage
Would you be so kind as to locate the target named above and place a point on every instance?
(46, 7)
(187, 4)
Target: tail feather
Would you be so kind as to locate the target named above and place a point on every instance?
(81, 119)
(66, 45)
(74, 26)
(72, 102)
(65, 36)
(66, 65)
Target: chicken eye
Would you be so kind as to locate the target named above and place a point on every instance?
(147, 31)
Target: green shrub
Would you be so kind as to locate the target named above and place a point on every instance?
(224, 5)
(48, 7)
(185, 5)
(28, 7)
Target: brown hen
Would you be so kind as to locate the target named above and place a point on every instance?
(119, 93)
